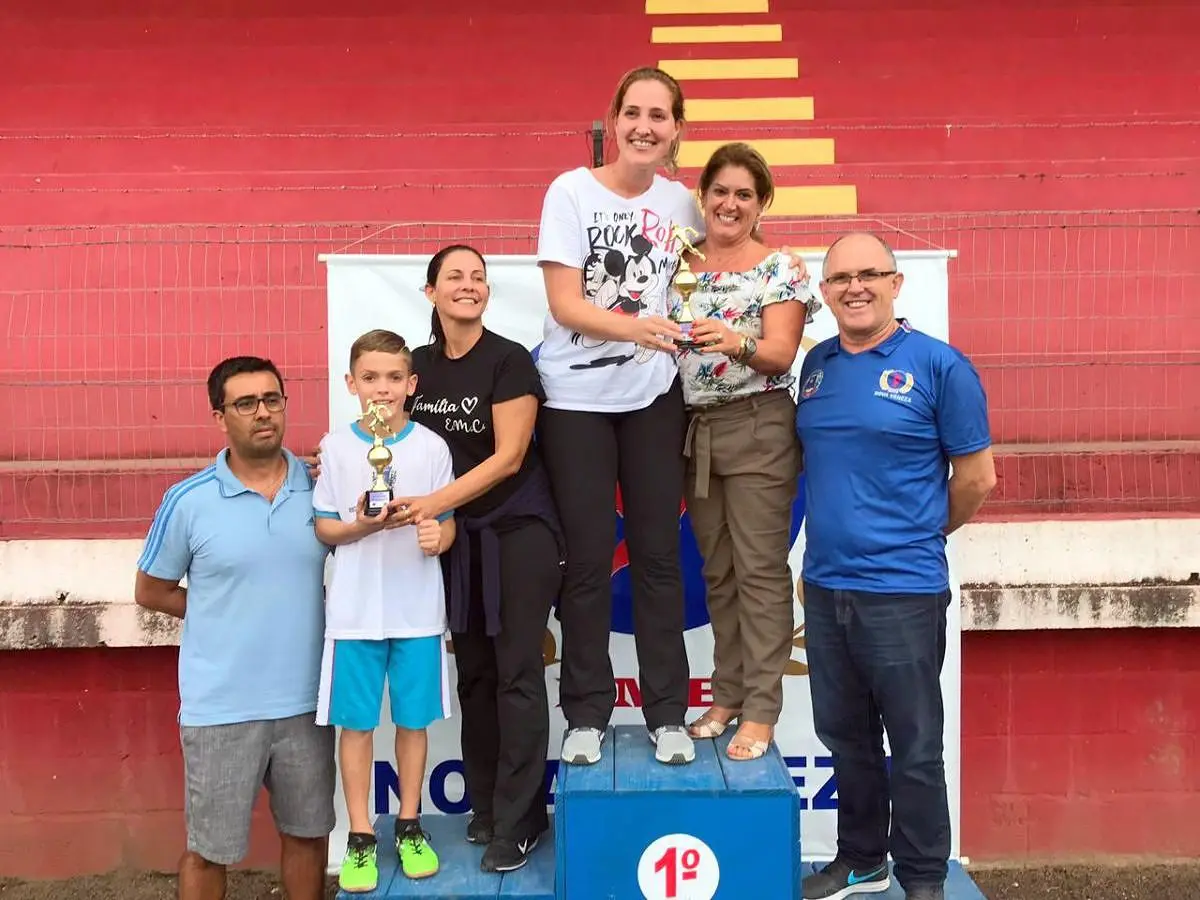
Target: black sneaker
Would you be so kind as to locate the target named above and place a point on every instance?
(507, 856)
(925, 892)
(838, 880)
(479, 830)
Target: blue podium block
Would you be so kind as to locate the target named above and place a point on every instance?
(959, 885)
(630, 827)
(459, 876)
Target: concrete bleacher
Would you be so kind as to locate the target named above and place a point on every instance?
(932, 118)
(959, 107)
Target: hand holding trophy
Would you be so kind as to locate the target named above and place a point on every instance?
(685, 282)
(379, 494)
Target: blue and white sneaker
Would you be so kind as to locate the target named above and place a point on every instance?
(838, 880)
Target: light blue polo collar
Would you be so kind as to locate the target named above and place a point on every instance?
(297, 477)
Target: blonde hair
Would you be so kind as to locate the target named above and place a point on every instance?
(382, 341)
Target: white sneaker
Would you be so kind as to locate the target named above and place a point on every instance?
(673, 745)
(581, 747)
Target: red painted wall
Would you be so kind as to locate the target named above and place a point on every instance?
(253, 115)
(1073, 743)
(1080, 743)
(272, 112)
(277, 111)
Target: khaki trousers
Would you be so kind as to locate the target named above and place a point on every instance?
(743, 462)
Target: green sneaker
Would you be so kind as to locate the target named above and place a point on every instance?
(359, 874)
(417, 856)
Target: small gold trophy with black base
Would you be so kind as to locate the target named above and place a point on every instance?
(685, 282)
(379, 494)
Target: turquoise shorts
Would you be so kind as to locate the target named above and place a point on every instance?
(353, 673)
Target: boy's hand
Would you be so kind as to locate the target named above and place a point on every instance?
(429, 536)
(370, 524)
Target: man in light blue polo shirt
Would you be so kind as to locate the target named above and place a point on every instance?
(884, 413)
(242, 533)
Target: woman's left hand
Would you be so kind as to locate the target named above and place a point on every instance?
(797, 263)
(714, 336)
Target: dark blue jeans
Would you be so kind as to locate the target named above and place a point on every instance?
(874, 663)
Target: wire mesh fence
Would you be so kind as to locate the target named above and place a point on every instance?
(1079, 324)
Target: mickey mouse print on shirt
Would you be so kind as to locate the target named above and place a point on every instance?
(625, 252)
(624, 279)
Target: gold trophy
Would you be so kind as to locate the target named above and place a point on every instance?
(379, 494)
(685, 282)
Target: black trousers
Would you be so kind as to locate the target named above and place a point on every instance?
(502, 685)
(586, 454)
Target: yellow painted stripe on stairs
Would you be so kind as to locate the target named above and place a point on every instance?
(715, 34)
(820, 200)
(776, 151)
(730, 69)
(749, 109)
(694, 7)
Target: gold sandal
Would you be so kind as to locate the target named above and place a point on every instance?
(755, 748)
(708, 728)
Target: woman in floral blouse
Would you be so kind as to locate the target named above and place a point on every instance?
(750, 308)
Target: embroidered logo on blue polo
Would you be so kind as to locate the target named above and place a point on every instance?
(895, 385)
(811, 383)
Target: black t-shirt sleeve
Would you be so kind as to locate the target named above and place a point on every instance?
(516, 376)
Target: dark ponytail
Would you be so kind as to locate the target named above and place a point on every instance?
(437, 336)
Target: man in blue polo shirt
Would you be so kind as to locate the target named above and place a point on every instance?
(885, 414)
(242, 533)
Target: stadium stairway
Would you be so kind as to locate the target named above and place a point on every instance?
(931, 117)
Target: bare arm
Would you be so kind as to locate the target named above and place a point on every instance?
(160, 595)
(564, 292)
(783, 327)
(512, 424)
(334, 532)
(972, 479)
(449, 528)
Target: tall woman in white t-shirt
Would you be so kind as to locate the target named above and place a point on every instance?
(614, 413)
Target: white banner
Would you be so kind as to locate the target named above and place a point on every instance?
(369, 291)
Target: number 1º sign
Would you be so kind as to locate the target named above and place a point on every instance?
(678, 867)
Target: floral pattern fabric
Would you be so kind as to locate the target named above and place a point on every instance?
(738, 298)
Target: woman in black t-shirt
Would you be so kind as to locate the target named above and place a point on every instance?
(481, 393)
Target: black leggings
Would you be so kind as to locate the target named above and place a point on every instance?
(502, 685)
(586, 454)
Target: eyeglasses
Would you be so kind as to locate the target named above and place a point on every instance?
(866, 276)
(248, 406)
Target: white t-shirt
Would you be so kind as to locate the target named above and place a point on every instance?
(382, 586)
(627, 256)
